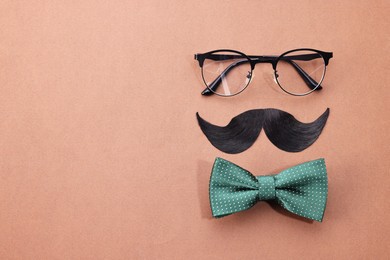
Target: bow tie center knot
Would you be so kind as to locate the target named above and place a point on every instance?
(266, 187)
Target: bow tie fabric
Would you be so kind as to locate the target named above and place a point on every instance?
(302, 189)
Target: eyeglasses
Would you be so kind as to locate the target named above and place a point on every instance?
(298, 72)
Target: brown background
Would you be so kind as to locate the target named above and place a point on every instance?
(101, 156)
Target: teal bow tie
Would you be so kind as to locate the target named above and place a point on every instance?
(301, 189)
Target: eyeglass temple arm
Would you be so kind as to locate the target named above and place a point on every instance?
(310, 82)
(215, 84)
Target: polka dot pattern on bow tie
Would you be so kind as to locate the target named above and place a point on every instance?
(301, 189)
(232, 189)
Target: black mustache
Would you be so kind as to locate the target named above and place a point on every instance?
(281, 128)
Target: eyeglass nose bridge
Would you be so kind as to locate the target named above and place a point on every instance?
(263, 59)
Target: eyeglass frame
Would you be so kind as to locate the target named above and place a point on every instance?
(254, 59)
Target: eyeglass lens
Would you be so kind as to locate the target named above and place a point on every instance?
(226, 73)
(295, 67)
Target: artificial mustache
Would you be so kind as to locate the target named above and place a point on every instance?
(281, 128)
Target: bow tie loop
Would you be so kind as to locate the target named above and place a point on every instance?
(266, 187)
